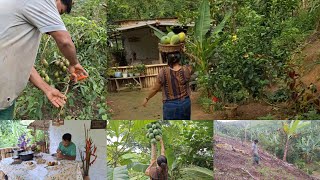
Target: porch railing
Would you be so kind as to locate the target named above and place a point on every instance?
(4, 152)
(148, 80)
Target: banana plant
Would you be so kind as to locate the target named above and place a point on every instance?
(291, 131)
(309, 145)
(205, 39)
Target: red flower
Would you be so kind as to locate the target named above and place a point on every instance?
(215, 99)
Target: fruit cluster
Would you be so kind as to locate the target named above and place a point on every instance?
(57, 70)
(173, 39)
(154, 132)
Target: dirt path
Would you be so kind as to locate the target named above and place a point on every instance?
(128, 105)
(233, 161)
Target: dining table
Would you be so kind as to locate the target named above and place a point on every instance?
(38, 168)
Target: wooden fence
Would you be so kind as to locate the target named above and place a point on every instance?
(148, 79)
(4, 154)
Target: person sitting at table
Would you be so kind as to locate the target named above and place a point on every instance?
(66, 149)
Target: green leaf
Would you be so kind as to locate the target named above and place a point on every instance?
(196, 172)
(118, 173)
(202, 24)
(157, 31)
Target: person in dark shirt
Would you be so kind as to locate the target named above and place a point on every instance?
(174, 82)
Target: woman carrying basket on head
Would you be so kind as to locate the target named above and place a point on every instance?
(174, 82)
(158, 168)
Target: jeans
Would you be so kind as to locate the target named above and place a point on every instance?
(177, 109)
(7, 114)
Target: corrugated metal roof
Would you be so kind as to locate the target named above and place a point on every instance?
(136, 24)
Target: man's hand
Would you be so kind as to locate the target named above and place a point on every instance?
(77, 70)
(56, 97)
(59, 155)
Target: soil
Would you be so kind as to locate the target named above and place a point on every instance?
(128, 105)
(232, 160)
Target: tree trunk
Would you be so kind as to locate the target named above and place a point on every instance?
(245, 134)
(286, 150)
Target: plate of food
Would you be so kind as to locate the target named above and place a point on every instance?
(41, 161)
(29, 164)
(53, 164)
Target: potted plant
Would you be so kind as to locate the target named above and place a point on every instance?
(125, 74)
(117, 74)
(136, 71)
(141, 68)
(90, 151)
(110, 72)
(131, 72)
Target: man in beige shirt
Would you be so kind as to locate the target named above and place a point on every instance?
(22, 22)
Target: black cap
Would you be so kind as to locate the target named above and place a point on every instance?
(69, 4)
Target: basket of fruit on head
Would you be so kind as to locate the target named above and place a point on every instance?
(169, 42)
(172, 42)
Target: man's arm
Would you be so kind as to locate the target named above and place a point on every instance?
(67, 48)
(65, 45)
(55, 96)
(68, 157)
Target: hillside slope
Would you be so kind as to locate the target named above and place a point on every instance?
(232, 160)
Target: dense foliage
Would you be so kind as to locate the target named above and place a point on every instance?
(10, 131)
(86, 100)
(188, 149)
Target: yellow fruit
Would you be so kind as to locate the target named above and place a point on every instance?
(234, 38)
(67, 63)
(45, 63)
(64, 68)
(182, 36)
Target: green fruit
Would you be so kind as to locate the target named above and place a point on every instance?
(151, 135)
(56, 74)
(158, 126)
(155, 132)
(147, 135)
(149, 126)
(43, 73)
(165, 40)
(158, 138)
(170, 34)
(67, 63)
(60, 72)
(57, 63)
(47, 79)
(64, 68)
(174, 40)
(150, 130)
(153, 141)
(58, 79)
(61, 64)
(182, 36)
(159, 132)
(45, 63)
(154, 126)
